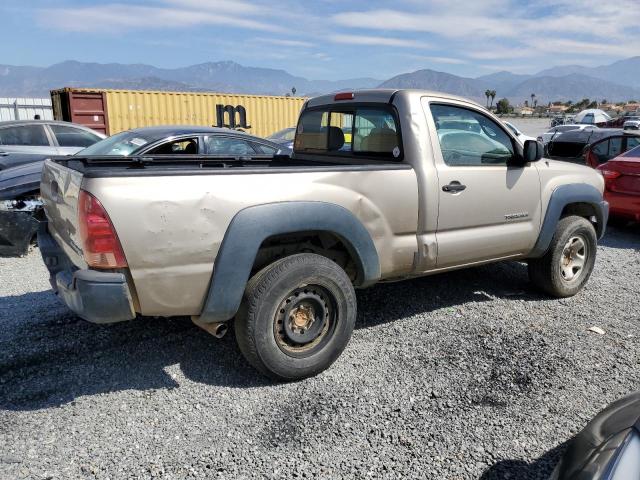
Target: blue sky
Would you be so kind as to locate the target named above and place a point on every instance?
(324, 39)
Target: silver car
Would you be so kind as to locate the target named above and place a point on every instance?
(632, 123)
(25, 141)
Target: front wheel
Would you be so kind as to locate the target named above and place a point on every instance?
(568, 263)
(296, 317)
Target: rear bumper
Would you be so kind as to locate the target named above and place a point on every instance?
(99, 297)
(624, 205)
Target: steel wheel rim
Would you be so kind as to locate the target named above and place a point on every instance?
(573, 258)
(305, 320)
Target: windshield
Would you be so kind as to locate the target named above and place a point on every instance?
(121, 144)
(286, 134)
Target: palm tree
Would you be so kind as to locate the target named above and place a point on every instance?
(492, 94)
(487, 93)
(533, 95)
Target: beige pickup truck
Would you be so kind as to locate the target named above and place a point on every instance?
(383, 185)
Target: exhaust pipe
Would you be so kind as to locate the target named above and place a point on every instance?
(220, 329)
(217, 329)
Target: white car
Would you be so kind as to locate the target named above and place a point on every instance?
(632, 124)
(521, 136)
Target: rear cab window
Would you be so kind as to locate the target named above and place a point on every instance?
(350, 131)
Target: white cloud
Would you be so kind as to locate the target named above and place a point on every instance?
(285, 42)
(508, 30)
(376, 41)
(436, 59)
(225, 6)
(118, 16)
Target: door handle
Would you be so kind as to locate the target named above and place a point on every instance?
(4, 154)
(453, 187)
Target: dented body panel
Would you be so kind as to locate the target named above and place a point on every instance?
(171, 243)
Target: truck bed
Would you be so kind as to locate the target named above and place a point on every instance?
(171, 213)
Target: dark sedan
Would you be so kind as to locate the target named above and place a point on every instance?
(284, 137)
(179, 140)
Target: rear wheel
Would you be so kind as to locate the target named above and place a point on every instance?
(567, 265)
(296, 317)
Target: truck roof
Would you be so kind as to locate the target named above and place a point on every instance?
(384, 95)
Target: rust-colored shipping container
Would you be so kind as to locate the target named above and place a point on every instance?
(112, 111)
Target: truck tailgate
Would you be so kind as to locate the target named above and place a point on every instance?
(59, 189)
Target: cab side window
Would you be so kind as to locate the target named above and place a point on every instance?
(469, 139)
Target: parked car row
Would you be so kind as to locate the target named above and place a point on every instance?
(25, 145)
(26, 141)
(614, 152)
(279, 241)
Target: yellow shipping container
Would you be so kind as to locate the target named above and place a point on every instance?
(112, 111)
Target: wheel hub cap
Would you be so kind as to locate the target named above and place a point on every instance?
(573, 258)
(303, 319)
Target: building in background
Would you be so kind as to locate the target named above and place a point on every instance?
(25, 109)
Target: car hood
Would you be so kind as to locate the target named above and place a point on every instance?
(20, 180)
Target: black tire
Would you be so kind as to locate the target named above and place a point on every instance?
(295, 299)
(552, 272)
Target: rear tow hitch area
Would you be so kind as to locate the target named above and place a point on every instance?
(18, 225)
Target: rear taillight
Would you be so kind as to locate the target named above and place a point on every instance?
(609, 175)
(100, 243)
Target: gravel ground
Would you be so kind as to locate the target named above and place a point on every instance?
(464, 375)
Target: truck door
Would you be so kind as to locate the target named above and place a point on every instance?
(487, 208)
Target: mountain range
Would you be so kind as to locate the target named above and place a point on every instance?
(618, 81)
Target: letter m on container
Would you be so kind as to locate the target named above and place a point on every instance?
(232, 113)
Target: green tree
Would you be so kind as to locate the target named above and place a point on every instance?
(492, 94)
(503, 106)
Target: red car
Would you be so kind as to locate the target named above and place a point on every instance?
(610, 147)
(622, 185)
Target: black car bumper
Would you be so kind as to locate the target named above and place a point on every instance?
(99, 297)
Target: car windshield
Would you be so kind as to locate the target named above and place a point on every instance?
(286, 134)
(120, 144)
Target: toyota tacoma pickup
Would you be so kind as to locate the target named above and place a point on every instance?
(383, 185)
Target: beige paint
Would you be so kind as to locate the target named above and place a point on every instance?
(59, 189)
(171, 227)
(171, 240)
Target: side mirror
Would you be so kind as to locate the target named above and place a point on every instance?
(533, 151)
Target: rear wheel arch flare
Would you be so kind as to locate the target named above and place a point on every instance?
(253, 225)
